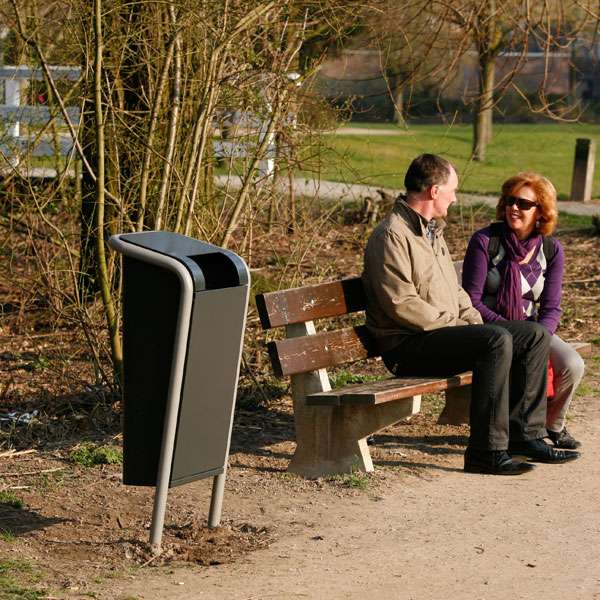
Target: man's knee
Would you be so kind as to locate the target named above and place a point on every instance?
(500, 340)
(539, 334)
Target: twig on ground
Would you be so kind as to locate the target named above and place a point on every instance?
(13, 453)
(32, 472)
(150, 560)
(578, 281)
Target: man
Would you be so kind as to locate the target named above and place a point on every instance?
(425, 324)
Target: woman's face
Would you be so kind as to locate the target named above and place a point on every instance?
(522, 219)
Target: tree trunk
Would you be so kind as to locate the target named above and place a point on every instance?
(482, 121)
(99, 220)
(398, 101)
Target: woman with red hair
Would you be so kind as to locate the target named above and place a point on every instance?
(513, 270)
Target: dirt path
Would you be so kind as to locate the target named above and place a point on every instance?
(444, 535)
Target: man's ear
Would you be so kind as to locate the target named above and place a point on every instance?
(433, 191)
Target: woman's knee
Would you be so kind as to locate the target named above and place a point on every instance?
(568, 365)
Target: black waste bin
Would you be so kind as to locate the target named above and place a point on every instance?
(184, 312)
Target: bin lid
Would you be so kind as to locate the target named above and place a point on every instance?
(210, 266)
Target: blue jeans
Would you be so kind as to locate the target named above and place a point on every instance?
(509, 363)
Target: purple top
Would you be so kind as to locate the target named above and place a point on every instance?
(541, 281)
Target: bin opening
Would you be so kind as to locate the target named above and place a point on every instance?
(218, 270)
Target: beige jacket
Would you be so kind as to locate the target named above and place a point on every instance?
(410, 284)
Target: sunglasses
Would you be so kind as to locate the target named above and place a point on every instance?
(521, 203)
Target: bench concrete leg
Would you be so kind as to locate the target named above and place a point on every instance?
(456, 410)
(332, 440)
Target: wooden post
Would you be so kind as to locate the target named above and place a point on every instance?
(583, 170)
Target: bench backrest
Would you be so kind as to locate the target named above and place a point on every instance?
(302, 305)
(301, 352)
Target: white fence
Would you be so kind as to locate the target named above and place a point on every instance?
(15, 144)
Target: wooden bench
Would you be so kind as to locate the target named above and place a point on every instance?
(332, 426)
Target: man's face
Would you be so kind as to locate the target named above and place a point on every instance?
(443, 195)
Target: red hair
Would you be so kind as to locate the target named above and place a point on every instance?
(545, 194)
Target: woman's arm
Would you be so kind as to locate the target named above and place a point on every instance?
(475, 270)
(549, 309)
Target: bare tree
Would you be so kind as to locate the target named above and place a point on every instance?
(156, 77)
(426, 42)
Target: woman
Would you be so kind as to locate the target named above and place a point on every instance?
(512, 272)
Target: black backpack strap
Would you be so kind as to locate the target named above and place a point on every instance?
(494, 244)
(549, 246)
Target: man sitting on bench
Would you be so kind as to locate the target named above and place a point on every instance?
(425, 325)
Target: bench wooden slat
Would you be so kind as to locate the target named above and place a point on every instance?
(387, 390)
(584, 348)
(302, 304)
(325, 349)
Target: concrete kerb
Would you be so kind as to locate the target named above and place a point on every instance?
(349, 192)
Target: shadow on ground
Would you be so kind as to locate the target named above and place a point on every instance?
(18, 521)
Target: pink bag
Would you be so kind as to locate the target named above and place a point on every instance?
(550, 384)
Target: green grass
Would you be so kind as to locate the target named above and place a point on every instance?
(345, 378)
(570, 221)
(355, 480)
(382, 160)
(10, 499)
(16, 578)
(89, 455)
(7, 536)
(584, 389)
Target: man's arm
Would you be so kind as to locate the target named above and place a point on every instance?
(468, 314)
(390, 272)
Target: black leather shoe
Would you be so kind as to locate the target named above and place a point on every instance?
(539, 451)
(494, 462)
(563, 439)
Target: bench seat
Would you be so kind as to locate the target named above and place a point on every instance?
(386, 390)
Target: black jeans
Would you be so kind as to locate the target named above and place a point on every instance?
(509, 361)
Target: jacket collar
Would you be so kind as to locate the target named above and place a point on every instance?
(416, 222)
